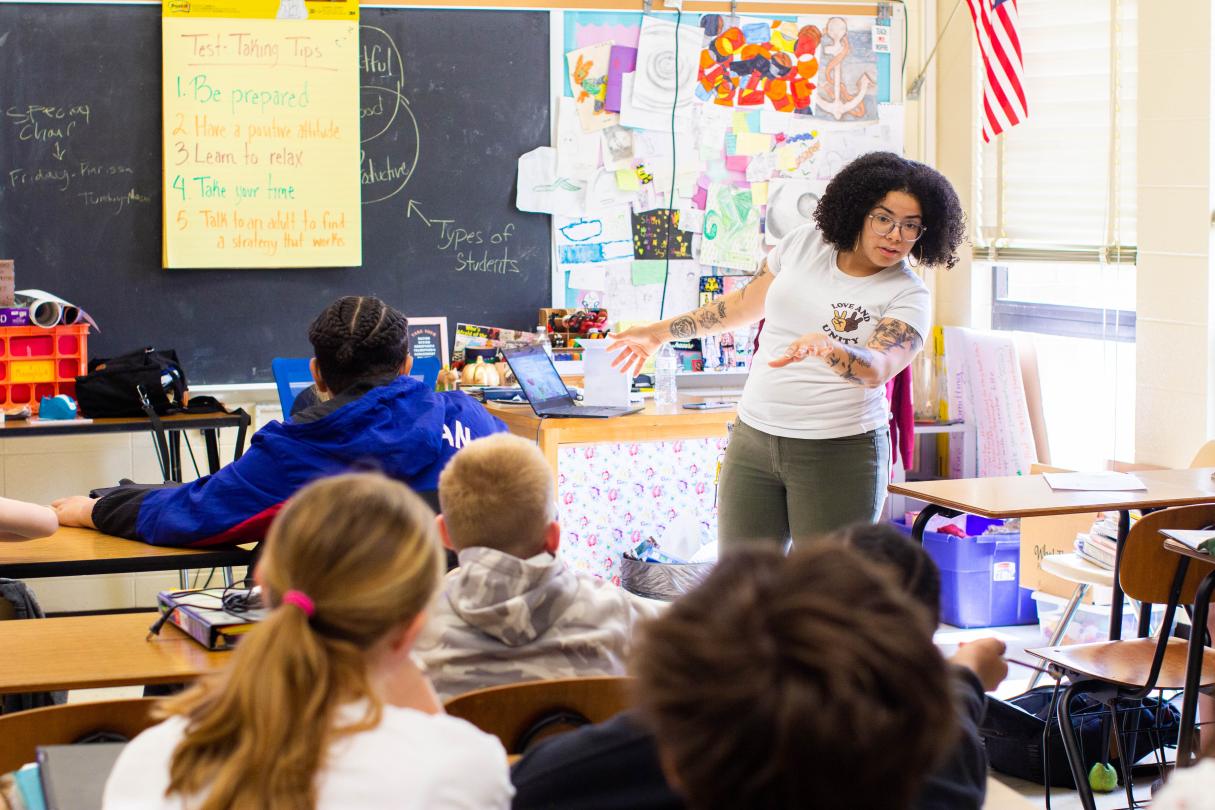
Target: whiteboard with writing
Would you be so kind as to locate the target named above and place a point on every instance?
(986, 390)
(261, 143)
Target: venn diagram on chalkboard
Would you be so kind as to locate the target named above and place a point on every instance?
(390, 138)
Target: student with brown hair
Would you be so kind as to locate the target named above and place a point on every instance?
(802, 682)
(322, 706)
(615, 763)
(514, 611)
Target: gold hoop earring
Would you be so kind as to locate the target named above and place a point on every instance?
(910, 256)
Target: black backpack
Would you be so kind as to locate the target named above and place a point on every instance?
(1012, 733)
(132, 384)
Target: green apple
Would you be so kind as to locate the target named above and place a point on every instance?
(1102, 778)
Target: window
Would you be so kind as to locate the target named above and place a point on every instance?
(1055, 222)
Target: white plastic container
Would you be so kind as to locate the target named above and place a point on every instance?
(1091, 622)
(602, 384)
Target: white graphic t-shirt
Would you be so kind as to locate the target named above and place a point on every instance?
(806, 399)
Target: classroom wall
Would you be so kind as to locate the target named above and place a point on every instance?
(960, 293)
(1175, 328)
(1175, 357)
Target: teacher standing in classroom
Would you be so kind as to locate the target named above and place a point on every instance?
(844, 313)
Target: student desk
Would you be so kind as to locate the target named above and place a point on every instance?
(167, 436)
(1030, 496)
(77, 552)
(623, 479)
(87, 652)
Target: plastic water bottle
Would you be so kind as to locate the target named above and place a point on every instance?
(665, 364)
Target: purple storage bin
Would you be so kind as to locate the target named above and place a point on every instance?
(980, 579)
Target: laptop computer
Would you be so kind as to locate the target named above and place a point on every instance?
(546, 391)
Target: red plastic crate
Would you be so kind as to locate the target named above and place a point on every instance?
(37, 362)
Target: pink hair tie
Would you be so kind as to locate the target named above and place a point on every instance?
(302, 601)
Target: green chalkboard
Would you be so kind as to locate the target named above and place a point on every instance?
(449, 100)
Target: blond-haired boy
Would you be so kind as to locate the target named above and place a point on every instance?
(513, 611)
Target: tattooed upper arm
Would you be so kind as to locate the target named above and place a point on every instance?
(892, 333)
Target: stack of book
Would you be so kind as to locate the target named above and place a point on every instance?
(1100, 545)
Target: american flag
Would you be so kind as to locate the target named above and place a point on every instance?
(1003, 77)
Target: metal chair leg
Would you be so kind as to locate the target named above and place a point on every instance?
(1069, 612)
(1193, 673)
(1124, 766)
(1072, 746)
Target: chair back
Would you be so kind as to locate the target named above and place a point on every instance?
(22, 732)
(521, 713)
(1205, 457)
(291, 376)
(1147, 568)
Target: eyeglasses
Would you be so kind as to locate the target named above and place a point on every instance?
(882, 225)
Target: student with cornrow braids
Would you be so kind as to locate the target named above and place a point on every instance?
(375, 415)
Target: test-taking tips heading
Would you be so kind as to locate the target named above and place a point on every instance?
(261, 140)
(264, 9)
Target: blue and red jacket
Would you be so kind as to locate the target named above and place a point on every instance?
(397, 426)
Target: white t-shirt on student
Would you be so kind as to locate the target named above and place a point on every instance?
(410, 760)
(806, 399)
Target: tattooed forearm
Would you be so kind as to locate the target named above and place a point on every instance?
(853, 363)
(894, 334)
(707, 320)
(683, 328)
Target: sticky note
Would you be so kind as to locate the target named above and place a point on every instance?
(740, 123)
(786, 158)
(649, 272)
(737, 163)
(753, 143)
(627, 180)
(759, 193)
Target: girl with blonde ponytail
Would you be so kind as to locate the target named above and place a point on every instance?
(322, 706)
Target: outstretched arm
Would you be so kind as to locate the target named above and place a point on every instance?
(886, 353)
(739, 308)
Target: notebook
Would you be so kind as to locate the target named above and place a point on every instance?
(74, 776)
(1196, 539)
(545, 389)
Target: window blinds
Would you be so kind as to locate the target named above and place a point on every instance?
(1061, 186)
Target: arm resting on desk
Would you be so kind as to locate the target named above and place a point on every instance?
(26, 521)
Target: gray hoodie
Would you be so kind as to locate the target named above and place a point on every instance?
(501, 619)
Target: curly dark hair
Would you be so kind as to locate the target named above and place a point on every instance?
(860, 185)
(355, 338)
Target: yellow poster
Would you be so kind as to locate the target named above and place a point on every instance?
(263, 9)
(261, 141)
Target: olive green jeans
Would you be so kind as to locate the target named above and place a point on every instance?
(775, 489)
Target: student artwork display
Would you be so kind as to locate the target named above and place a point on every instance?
(656, 235)
(588, 69)
(848, 86)
(663, 85)
(759, 63)
(261, 161)
(791, 204)
(766, 111)
(731, 228)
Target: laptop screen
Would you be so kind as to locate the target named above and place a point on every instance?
(537, 376)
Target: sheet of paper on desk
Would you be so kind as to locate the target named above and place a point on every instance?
(1094, 481)
(1194, 538)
